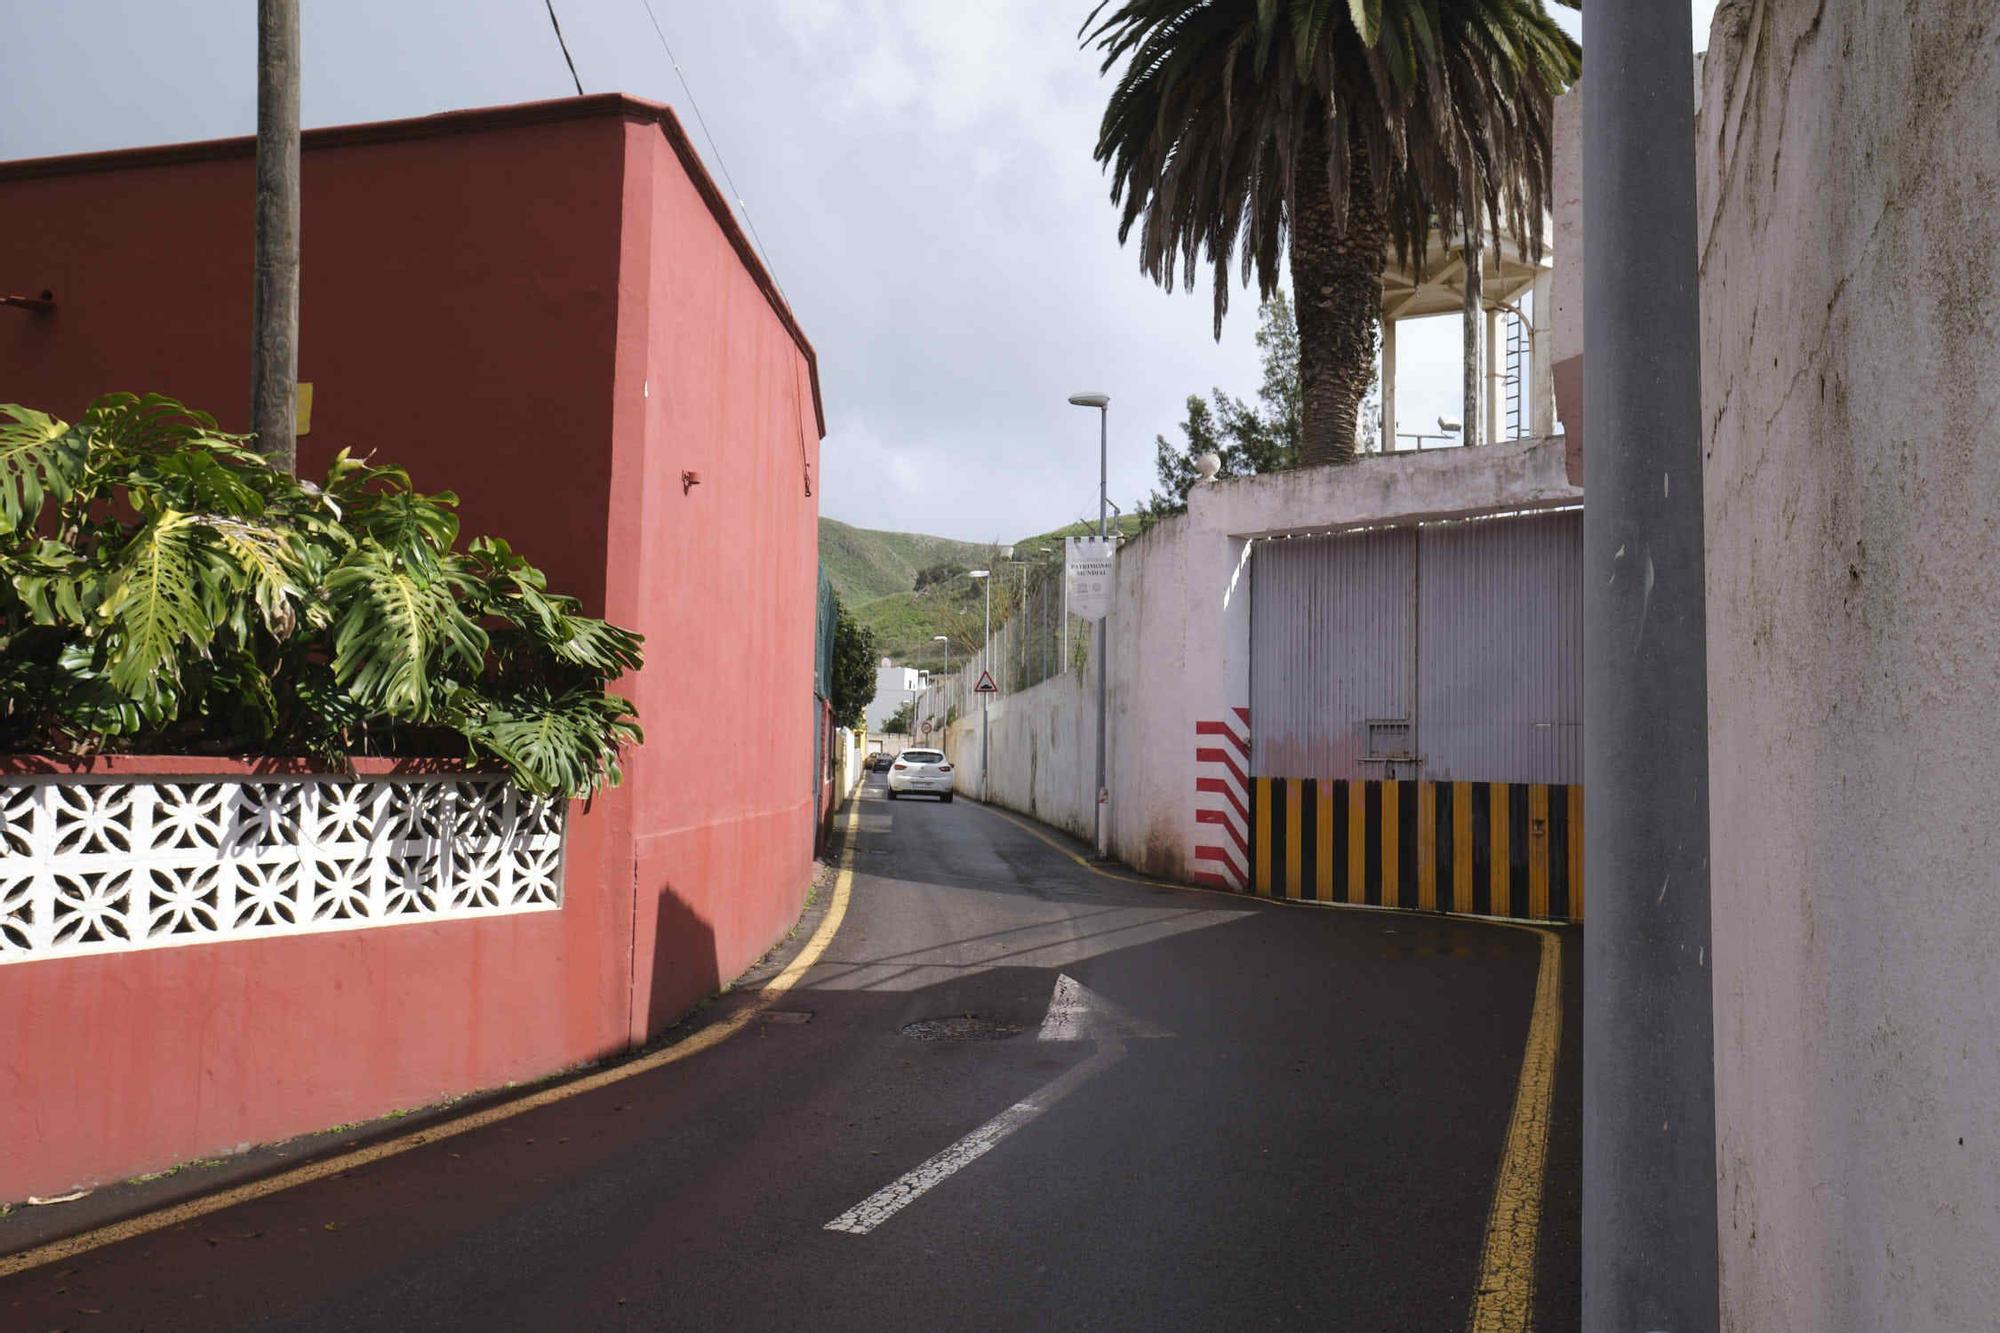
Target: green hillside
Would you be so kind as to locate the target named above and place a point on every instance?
(875, 574)
(864, 564)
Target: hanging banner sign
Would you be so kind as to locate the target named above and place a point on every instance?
(1087, 563)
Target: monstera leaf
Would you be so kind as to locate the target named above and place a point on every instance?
(166, 587)
(565, 742)
(40, 459)
(396, 635)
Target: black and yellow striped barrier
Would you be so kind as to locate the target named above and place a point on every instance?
(1489, 848)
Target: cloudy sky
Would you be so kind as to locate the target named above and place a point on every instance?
(919, 172)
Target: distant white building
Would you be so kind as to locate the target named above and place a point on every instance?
(894, 687)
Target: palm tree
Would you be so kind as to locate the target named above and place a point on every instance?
(1335, 130)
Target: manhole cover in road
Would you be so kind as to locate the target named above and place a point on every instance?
(960, 1027)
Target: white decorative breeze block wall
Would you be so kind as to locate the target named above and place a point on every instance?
(102, 865)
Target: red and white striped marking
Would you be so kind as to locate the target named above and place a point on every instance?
(1222, 801)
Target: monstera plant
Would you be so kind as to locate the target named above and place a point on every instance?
(167, 591)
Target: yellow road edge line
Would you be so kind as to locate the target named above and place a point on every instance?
(1505, 1299)
(693, 1044)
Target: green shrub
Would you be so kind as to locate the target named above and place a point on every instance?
(168, 591)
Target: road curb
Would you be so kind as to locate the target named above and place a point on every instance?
(725, 1022)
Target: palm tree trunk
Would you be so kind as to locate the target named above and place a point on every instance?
(1337, 288)
(1472, 429)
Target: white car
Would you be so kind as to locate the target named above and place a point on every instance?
(920, 773)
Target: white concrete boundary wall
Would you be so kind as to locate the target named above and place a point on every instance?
(1044, 752)
(1849, 166)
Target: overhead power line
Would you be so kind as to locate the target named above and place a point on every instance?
(565, 47)
(749, 222)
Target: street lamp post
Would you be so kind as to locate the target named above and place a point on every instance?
(985, 666)
(923, 679)
(1102, 403)
(944, 639)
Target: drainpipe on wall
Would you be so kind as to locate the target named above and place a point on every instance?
(1649, 1207)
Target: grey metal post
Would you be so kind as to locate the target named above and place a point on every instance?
(985, 667)
(1103, 638)
(1020, 622)
(274, 301)
(1649, 1206)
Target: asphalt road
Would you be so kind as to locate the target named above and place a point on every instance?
(1296, 1123)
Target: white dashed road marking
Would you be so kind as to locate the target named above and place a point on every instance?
(1074, 1014)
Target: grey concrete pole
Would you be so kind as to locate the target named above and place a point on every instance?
(1103, 626)
(1649, 1207)
(274, 301)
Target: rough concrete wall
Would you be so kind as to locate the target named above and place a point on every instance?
(1388, 488)
(1159, 632)
(1849, 163)
(1567, 281)
(1044, 751)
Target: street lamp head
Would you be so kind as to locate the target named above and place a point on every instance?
(977, 573)
(1450, 427)
(1006, 553)
(1098, 400)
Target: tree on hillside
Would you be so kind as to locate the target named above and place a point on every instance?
(854, 658)
(1331, 132)
(942, 572)
(899, 722)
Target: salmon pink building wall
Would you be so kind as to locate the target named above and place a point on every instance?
(714, 510)
(549, 310)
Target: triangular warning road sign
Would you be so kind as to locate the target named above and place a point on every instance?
(986, 685)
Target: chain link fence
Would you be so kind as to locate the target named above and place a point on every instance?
(1033, 639)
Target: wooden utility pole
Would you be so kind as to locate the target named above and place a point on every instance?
(274, 310)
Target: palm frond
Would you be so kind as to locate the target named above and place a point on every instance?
(1450, 101)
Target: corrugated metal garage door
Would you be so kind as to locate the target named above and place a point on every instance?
(1447, 652)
